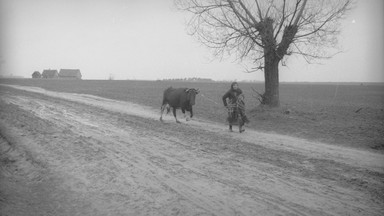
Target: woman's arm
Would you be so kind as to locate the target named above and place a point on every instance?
(226, 95)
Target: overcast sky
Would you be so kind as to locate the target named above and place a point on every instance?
(147, 39)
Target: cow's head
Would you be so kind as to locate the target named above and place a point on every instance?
(191, 94)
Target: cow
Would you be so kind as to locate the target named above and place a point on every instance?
(178, 98)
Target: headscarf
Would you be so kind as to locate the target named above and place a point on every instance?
(232, 84)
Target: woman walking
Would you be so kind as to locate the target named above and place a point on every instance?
(233, 100)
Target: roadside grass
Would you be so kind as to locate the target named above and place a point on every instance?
(348, 114)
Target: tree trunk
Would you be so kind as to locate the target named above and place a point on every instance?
(271, 64)
(271, 75)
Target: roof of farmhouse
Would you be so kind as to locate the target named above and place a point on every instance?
(50, 72)
(69, 72)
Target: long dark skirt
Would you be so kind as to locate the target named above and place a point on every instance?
(237, 116)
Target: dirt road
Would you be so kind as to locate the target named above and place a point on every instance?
(74, 154)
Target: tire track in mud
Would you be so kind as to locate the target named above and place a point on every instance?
(369, 160)
(116, 153)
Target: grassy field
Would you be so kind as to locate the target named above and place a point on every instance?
(345, 114)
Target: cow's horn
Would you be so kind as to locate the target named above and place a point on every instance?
(187, 90)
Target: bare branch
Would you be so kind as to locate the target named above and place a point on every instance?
(259, 10)
(248, 13)
(331, 17)
(294, 12)
(300, 13)
(283, 17)
(259, 97)
(238, 13)
(242, 28)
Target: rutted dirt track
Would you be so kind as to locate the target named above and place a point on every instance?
(73, 154)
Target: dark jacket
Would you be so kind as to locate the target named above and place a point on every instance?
(232, 95)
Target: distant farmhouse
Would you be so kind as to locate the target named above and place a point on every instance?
(50, 74)
(53, 74)
(36, 75)
(69, 74)
(192, 79)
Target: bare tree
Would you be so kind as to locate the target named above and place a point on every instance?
(267, 32)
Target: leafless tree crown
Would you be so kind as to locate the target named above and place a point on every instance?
(248, 28)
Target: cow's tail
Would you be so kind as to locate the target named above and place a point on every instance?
(165, 103)
(166, 91)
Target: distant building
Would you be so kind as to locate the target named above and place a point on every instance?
(50, 74)
(36, 75)
(70, 74)
(193, 79)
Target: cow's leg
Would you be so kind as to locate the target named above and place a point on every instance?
(162, 111)
(241, 130)
(174, 114)
(191, 112)
(185, 116)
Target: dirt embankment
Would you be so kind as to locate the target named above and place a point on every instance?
(72, 154)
